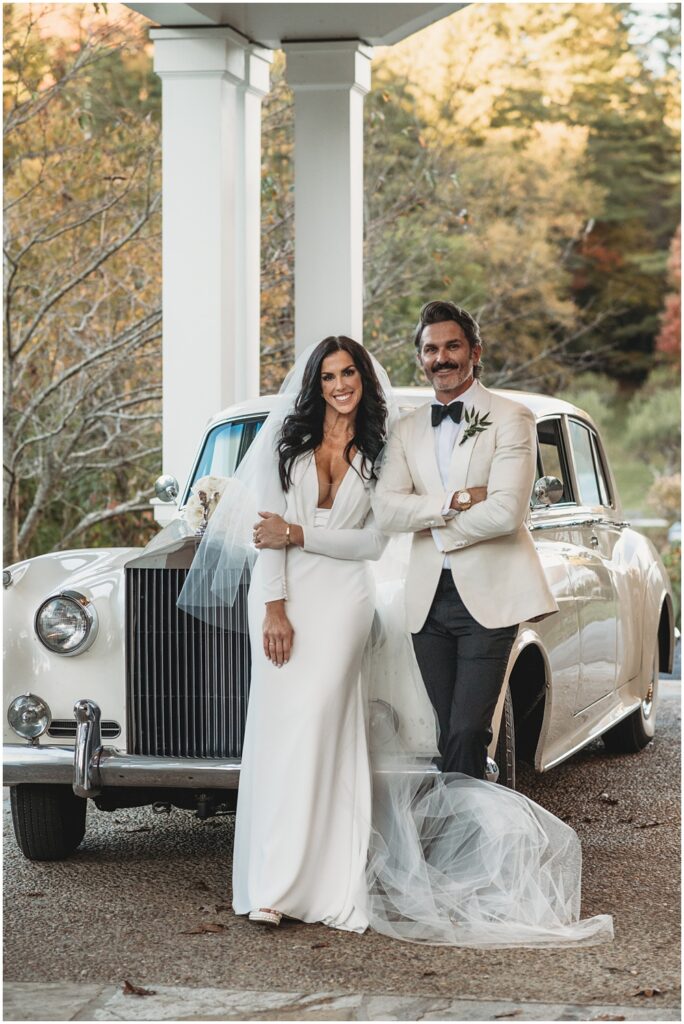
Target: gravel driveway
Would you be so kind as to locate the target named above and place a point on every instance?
(131, 902)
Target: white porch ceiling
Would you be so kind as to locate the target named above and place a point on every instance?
(271, 25)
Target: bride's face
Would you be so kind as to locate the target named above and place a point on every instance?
(341, 384)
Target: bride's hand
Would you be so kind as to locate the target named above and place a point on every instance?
(277, 633)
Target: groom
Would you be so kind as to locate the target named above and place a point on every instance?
(458, 475)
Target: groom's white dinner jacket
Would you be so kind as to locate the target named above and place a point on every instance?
(494, 562)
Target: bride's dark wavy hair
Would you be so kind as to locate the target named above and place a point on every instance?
(303, 428)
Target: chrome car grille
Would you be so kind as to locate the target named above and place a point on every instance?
(187, 682)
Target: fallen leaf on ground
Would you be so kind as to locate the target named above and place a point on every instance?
(129, 989)
(141, 828)
(628, 820)
(511, 1013)
(620, 970)
(32, 894)
(648, 824)
(202, 886)
(429, 974)
(649, 990)
(609, 1016)
(206, 926)
(608, 799)
(587, 819)
(319, 945)
(222, 907)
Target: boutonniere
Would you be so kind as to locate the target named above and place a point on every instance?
(475, 424)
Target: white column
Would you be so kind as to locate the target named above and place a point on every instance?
(329, 80)
(212, 84)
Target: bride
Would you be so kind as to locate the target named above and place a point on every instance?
(341, 817)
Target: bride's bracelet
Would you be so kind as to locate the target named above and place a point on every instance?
(287, 535)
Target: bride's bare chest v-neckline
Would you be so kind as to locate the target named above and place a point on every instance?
(331, 470)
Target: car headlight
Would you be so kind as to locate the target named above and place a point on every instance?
(67, 623)
(29, 716)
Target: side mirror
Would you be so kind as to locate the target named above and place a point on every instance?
(547, 490)
(166, 488)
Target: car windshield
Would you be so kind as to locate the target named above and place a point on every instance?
(225, 447)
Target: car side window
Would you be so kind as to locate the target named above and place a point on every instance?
(590, 477)
(551, 455)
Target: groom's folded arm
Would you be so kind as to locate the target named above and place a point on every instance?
(509, 487)
(397, 508)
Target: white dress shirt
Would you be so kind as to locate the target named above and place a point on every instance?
(446, 436)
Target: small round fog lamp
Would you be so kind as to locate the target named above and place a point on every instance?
(29, 716)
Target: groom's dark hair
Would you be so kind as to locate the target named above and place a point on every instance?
(442, 310)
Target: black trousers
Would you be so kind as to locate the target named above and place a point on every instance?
(463, 665)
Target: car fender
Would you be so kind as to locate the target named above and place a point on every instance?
(98, 673)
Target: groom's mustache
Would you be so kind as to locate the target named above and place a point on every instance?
(443, 366)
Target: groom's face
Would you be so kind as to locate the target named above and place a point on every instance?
(447, 359)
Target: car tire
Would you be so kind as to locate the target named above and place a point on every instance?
(49, 821)
(505, 744)
(636, 731)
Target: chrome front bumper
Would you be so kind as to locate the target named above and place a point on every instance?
(89, 767)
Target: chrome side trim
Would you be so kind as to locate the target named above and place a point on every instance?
(563, 524)
(594, 735)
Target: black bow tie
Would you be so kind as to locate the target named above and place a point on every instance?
(439, 412)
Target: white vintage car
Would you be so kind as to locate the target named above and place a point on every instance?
(114, 694)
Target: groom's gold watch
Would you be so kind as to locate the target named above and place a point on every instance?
(463, 500)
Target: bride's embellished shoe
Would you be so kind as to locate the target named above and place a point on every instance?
(266, 916)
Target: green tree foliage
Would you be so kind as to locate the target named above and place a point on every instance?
(669, 340)
(654, 432)
(629, 108)
(82, 280)
(556, 131)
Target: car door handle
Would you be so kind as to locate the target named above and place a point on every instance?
(594, 541)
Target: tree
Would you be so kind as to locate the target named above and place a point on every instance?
(82, 281)
(460, 206)
(669, 340)
(493, 77)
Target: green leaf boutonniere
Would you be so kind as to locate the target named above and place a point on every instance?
(474, 424)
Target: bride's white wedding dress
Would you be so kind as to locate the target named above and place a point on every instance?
(425, 857)
(304, 802)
